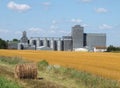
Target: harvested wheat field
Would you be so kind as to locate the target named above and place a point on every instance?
(103, 64)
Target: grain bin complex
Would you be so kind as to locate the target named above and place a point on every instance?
(78, 40)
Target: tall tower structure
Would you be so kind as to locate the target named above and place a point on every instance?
(77, 36)
(24, 38)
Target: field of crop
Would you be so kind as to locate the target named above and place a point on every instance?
(103, 64)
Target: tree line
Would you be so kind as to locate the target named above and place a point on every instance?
(4, 44)
(112, 48)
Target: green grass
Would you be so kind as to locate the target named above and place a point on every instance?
(79, 77)
(7, 65)
(5, 83)
(54, 75)
(11, 60)
(42, 64)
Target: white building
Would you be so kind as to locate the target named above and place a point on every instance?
(100, 49)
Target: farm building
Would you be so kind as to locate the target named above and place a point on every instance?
(76, 41)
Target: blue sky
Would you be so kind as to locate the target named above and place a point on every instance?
(54, 18)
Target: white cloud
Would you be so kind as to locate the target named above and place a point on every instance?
(3, 31)
(39, 32)
(105, 26)
(46, 4)
(76, 20)
(18, 7)
(101, 10)
(54, 22)
(85, 25)
(86, 1)
(18, 33)
(34, 30)
(53, 27)
(52, 31)
(64, 32)
(58, 32)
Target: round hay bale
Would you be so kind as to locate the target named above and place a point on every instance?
(28, 70)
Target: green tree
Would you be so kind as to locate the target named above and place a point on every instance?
(15, 40)
(113, 48)
(3, 44)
